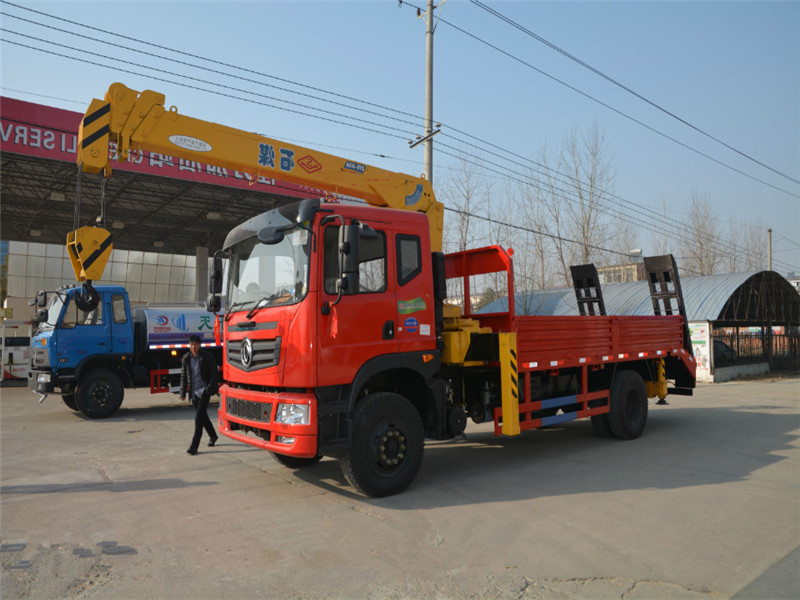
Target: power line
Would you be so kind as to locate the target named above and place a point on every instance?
(119, 69)
(284, 89)
(638, 222)
(563, 52)
(611, 108)
(565, 197)
(206, 59)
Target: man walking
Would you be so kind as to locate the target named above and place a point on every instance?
(199, 375)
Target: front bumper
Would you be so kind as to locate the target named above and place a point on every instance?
(250, 417)
(42, 382)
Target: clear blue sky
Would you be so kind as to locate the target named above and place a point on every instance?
(732, 69)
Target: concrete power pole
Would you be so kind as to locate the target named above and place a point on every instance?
(769, 249)
(429, 93)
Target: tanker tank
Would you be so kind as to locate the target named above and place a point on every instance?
(169, 326)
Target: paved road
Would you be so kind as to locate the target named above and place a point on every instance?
(704, 505)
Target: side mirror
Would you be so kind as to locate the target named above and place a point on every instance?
(347, 283)
(213, 303)
(41, 299)
(270, 236)
(215, 277)
(41, 315)
(367, 232)
(306, 211)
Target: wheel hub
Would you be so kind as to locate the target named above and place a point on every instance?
(100, 395)
(391, 448)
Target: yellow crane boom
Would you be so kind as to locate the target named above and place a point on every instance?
(140, 121)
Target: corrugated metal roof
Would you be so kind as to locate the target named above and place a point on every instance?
(705, 297)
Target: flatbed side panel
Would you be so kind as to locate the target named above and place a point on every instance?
(554, 342)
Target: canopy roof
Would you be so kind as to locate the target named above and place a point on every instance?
(736, 299)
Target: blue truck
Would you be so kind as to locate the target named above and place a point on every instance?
(90, 357)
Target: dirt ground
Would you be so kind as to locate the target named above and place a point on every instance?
(703, 505)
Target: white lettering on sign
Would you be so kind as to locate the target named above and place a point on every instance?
(73, 143)
(36, 137)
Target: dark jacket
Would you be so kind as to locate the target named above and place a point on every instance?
(208, 372)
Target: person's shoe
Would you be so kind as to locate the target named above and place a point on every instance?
(191, 451)
(213, 441)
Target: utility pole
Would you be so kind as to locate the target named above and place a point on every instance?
(769, 249)
(427, 139)
(429, 93)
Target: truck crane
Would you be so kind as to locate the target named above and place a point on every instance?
(339, 340)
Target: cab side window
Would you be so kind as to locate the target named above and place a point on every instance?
(118, 308)
(409, 258)
(74, 317)
(371, 262)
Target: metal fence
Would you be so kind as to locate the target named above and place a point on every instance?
(735, 348)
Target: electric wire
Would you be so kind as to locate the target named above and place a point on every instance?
(563, 52)
(252, 81)
(261, 83)
(565, 197)
(164, 71)
(611, 108)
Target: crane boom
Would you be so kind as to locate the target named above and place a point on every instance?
(140, 121)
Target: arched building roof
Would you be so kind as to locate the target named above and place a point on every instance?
(730, 299)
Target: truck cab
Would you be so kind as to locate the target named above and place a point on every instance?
(324, 308)
(91, 356)
(71, 342)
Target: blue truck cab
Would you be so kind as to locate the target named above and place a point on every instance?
(90, 357)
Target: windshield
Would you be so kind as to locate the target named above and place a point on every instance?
(53, 311)
(263, 275)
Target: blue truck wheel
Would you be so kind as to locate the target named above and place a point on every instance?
(99, 394)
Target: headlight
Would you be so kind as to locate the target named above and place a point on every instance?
(292, 414)
(43, 378)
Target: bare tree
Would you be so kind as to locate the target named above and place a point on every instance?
(705, 253)
(467, 193)
(591, 179)
(572, 192)
(747, 247)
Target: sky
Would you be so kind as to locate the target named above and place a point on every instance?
(724, 70)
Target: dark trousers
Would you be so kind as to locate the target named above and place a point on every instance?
(201, 420)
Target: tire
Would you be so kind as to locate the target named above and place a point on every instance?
(601, 426)
(293, 462)
(69, 400)
(628, 414)
(87, 299)
(388, 440)
(99, 394)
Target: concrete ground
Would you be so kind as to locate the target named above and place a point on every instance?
(706, 504)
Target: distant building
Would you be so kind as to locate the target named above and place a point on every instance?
(794, 280)
(621, 273)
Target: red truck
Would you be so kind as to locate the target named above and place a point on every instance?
(339, 339)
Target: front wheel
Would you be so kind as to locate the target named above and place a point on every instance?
(628, 405)
(69, 400)
(99, 394)
(388, 440)
(293, 462)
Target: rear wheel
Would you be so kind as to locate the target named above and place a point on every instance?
(99, 394)
(601, 426)
(628, 405)
(293, 462)
(387, 445)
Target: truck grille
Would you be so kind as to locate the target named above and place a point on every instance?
(266, 353)
(247, 409)
(40, 359)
